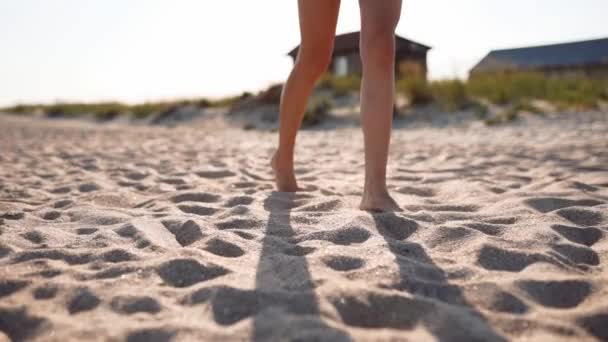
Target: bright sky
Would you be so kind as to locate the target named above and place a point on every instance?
(135, 50)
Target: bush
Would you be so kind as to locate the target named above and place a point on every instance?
(417, 90)
(480, 110)
(146, 109)
(340, 85)
(317, 110)
(272, 95)
(450, 94)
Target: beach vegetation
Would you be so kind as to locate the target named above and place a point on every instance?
(340, 85)
(566, 92)
(416, 90)
(512, 93)
(317, 110)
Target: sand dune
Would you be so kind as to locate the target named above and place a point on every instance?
(155, 234)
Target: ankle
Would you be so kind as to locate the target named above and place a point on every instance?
(375, 191)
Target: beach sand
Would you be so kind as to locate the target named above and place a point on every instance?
(117, 232)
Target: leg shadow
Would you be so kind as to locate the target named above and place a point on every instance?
(286, 308)
(422, 278)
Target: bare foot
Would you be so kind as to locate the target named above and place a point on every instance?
(283, 176)
(381, 202)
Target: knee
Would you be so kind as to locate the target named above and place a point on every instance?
(378, 48)
(314, 61)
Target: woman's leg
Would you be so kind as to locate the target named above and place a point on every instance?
(318, 20)
(379, 19)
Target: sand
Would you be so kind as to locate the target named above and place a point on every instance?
(115, 232)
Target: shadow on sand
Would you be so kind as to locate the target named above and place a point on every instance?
(427, 283)
(288, 309)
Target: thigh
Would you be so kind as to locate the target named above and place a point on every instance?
(318, 19)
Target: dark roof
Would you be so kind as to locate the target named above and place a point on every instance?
(589, 52)
(349, 42)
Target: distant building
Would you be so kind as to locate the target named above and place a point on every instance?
(410, 56)
(585, 58)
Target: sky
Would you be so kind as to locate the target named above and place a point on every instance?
(146, 50)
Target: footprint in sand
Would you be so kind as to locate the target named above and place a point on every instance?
(53, 254)
(564, 294)
(342, 236)
(18, 324)
(237, 223)
(46, 291)
(112, 272)
(51, 215)
(86, 231)
(493, 298)
(500, 259)
(187, 272)
(416, 191)
(548, 204)
(34, 236)
(187, 233)
(449, 237)
(13, 215)
(487, 228)
(577, 254)
(197, 209)
(8, 286)
(88, 187)
(583, 216)
(117, 255)
(595, 324)
(223, 248)
(584, 236)
(82, 299)
(239, 200)
(137, 175)
(203, 197)
(173, 181)
(321, 206)
(61, 190)
(133, 304)
(62, 203)
(214, 174)
(243, 235)
(151, 334)
(394, 226)
(343, 263)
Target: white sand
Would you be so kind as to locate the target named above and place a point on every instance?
(157, 234)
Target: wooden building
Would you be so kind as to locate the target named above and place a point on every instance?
(410, 56)
(584, 58)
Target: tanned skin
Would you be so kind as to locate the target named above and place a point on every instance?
(318, 20)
